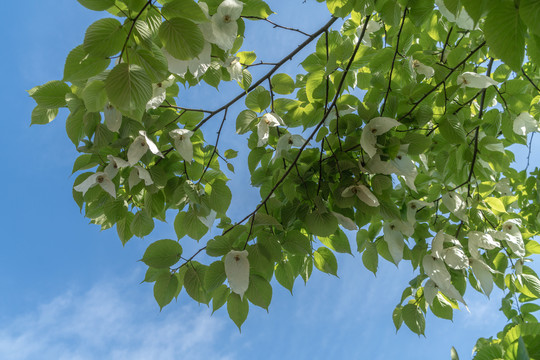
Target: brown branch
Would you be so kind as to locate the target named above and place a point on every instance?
(389, 88)
(276, 25)
(132, 27)
(214, 151)
(269, 73)
(443, 80)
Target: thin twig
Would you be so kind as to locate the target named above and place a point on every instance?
(276, 25)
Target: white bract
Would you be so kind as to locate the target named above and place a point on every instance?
(224, 26)
(436, 270)
(286, 141)
(474, 80)
(376, 126)
(114, 165)
(344, 221)
(237, 271)
(480, 240)
(513, 237)
(140, 146)
(455, 258)
(182, 143)
(234, 67)
(455, 203)
(113, 118)
(482, 272)
(412, 208)
(406, 168)
(99, 178)
(419, 68)
(525, 123)
(196, 66)
(462, 18)
(394, 239)
(371, 27)
(159, 93)
(267, 121)
(137, 174)
(363, 193)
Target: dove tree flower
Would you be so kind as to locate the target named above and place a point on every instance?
(285, 142)
(224, 26)
(375, 127)
(394, 240)
(237, 271)
(525, 123)
(474, 80)
(363, 193)
(371, 27)
(99, 178)
(140, 146)
(139, 174)
(182, 143)
(483, 274)
(114, 165)
(113, 118)
(159, 92)
(456, 204)
(196, 66)
(267, 121)
(418, 68)
(234, 67)
(344, 221)
(480, 240)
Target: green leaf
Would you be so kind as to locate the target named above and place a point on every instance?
(194, 282)
(441, 308)
(153, 62)
(296, 243)
(214, 276)
(219, 196)
(321, 224)
(42, 116)
(452, 129)
(258, 100)
(165, 289)
(193, 226)
(259, 291)
(104, 38)
(238, 309)
(370, 257)
(325, 261)
(123, 228)
(219, 246)
(453, 354)
(246, 57)
(532, 283)
(282, 84)
(187, 9)
(142, 224)
(337, 242)
(414, 319)
(340, 8)
(219, 297)
(529, 10)
(182, 38)
(128, 87)
(397, 319)
(421, 11)
(162, 254)
(496, 205)
(230, 154)
(244, 120)
(285, 275)
(51, 95)
(95, 96)
(505, 33)
(81, 66)
(97, 5)
(257, 8)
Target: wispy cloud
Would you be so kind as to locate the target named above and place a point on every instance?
(110, 322)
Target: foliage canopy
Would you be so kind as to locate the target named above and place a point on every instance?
(397, 130)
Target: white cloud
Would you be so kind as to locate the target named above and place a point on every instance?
(111, 322)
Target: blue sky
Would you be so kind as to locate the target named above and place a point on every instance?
(71, 291)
